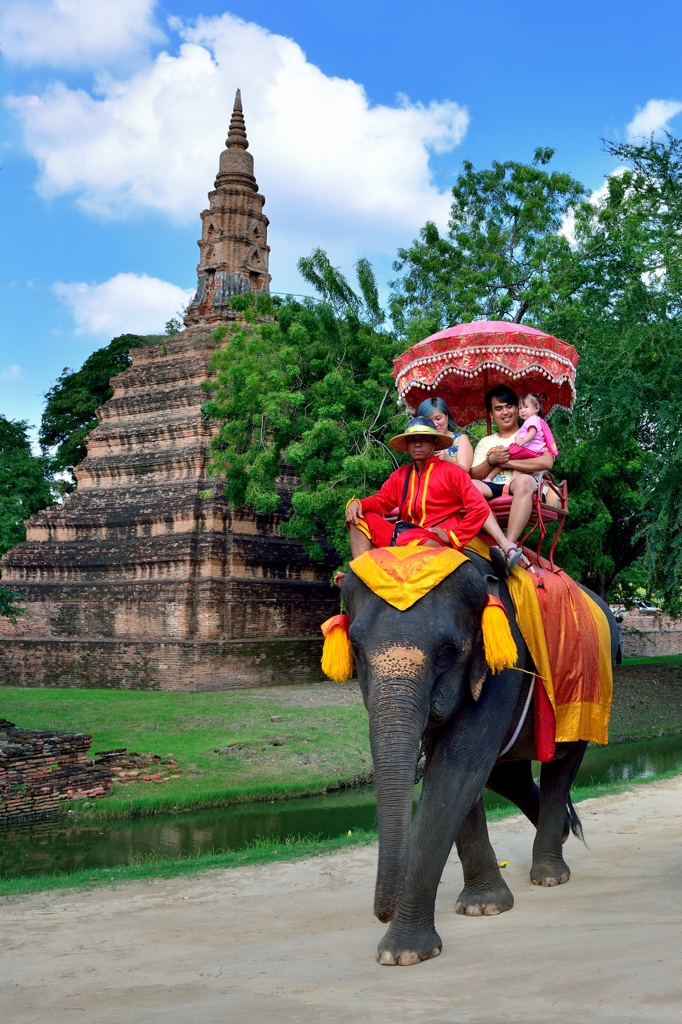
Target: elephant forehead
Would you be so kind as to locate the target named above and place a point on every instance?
(398, 657)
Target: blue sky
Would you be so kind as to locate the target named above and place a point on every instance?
(359, 115)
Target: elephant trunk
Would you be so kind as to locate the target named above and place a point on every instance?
(396, 726)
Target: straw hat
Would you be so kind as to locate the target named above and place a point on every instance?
(419, 426)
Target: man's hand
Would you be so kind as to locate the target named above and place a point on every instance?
(353, 512)
(441, 534)
(498, 456)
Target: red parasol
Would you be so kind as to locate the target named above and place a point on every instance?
(461, 363)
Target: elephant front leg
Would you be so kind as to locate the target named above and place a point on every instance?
(485, 891)
(449, 791)
(556, 778)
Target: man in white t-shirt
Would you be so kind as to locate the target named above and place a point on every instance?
(491, 459)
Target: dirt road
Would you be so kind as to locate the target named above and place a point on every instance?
(295, 942)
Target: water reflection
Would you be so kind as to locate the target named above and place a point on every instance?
(58, 846)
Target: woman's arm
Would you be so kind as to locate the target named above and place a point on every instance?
(465, 453)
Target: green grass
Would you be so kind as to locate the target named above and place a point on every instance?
(662, 659)
(322, 741)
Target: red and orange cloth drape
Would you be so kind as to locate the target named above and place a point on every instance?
(568, 637)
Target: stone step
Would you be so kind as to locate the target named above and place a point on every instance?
(117, 436)
(196, 341)
(164, 464)
(161, 400)
(164, 372)
(174, 559)
(244, 555)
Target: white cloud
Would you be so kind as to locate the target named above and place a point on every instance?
(14, 372)
(653, 117)
(76, 33)
(126, 303)
(336, 170)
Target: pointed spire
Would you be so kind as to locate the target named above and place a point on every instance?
(237, 133)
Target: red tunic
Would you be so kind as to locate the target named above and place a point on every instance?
(441, 495)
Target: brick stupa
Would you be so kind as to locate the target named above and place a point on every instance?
(234, 233)
(138, 580)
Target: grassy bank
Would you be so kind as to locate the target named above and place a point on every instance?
(230, 751)
(262, 852)
(647, 699)
(663, 659)
(226, 745)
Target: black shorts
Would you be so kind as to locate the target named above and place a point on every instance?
(497, 489)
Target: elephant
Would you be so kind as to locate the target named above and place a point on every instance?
(427, 687)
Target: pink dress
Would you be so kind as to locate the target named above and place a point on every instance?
(543, 441)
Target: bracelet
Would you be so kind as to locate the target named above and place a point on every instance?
(487, 459)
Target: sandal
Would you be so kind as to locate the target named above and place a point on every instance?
(514, 556)
(502, 565)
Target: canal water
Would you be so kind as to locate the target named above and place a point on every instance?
(57, 846)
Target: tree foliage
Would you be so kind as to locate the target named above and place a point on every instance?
(626, 320)
(24, 482)
(307, 384)
(24, 489)
(70, 404)
(10, 604)
(503, 256)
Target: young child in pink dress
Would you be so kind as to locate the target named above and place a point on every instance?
(534, 437)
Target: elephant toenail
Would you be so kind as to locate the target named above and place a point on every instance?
(387, 959)
(408, 958)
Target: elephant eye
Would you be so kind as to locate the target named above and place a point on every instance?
(445, 659)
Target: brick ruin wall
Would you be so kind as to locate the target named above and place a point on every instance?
(40, 768)
(651, 635)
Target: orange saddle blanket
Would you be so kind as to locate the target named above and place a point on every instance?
(568, 636)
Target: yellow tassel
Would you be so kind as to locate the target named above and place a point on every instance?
(498, 642)
(337, 653)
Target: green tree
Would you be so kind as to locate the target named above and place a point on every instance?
(24, 482)
(70, 404)
(309, 385)
(503, 257)
(24, 489)
(626, 321)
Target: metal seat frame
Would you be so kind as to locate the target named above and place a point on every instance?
(542, 513)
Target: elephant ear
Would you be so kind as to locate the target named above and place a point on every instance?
(478, 668)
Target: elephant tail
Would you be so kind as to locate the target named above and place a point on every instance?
(575, 822)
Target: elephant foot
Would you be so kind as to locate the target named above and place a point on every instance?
(550, 872)
(488, 902)
(398, 948)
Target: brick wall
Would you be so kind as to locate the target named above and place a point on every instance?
(40, 768)
(160, 665)
(650, 635)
